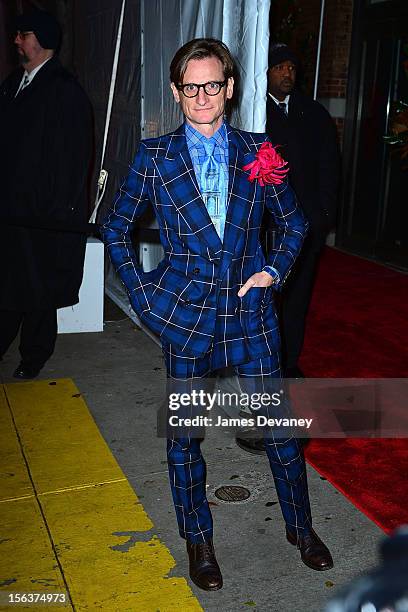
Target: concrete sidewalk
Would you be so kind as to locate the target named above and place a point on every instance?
(121, 375)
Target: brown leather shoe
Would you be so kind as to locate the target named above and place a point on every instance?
(313, 552)
(204, 569)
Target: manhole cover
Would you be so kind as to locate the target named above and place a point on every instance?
(232, 494)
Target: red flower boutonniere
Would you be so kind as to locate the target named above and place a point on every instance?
(268, 166)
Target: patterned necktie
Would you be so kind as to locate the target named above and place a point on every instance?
(210, 182)
(283, 108)
(24, 84)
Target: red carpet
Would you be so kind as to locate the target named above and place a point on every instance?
(358, 327)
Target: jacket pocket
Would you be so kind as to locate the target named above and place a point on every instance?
(258, 316)
(176, 300)
(257, 298)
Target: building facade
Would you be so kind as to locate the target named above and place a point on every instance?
(363, 73)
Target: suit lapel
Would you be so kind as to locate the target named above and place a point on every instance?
(177, 175)
(13, 84)
(39, 79)
(294, 108)
(241, 196)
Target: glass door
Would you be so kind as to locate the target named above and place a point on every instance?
(374, 215)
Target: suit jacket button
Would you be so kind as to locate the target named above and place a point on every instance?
(196, 271)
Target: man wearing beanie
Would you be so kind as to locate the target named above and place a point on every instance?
(46, 137)
(306, 136)
(309, 143)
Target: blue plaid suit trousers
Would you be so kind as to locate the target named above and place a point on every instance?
(187, 468)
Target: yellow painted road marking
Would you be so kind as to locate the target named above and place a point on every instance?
(61, 442)
(14, 479)
(27, 560)
(100, 540)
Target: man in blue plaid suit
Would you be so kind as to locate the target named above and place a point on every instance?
(211, 298)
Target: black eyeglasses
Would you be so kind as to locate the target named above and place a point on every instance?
(24, 34)
(212, 88)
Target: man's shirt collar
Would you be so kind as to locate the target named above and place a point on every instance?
(194, 137)
(33, 72)
(286, 100)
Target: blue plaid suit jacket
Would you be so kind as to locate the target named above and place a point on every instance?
(192, 295)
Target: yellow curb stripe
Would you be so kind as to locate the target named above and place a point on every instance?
(8, 499)
(101, 536)
(61, 442)
(14, 479)
(16, 499)
(27, 559)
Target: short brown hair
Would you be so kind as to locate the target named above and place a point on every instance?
(200, 48)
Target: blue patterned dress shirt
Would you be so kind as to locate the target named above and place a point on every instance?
(219, 143)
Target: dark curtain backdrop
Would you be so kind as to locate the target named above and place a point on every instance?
(8, 56)
(95, 25)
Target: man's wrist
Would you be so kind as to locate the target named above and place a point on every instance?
(273, 272)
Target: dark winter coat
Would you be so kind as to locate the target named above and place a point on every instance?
(45, 152)
(309, 144)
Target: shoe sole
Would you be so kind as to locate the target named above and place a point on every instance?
(318, 569)
(25, 377)
(217, 588)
